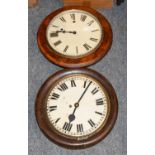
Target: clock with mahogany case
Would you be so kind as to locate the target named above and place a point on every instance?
(76, 108)
(74, 36)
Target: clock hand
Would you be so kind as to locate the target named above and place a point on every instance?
(71, 117)
(63, 31)
(84, 92)
(55, 34)
(74, 32)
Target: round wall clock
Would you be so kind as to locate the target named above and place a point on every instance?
(76, 108)
(74, 36)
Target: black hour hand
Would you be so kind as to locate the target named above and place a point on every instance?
(54, 34)
(71, 117)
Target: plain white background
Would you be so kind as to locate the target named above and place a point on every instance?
(14, 77)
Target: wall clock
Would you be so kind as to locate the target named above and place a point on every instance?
(76, 108)
(74, 36)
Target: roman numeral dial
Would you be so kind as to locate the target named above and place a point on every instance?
(74, 33)
(77, 105)
(79, 127)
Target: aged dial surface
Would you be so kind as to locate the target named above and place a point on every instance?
(74, 36)
(74, 33)
(77, 106)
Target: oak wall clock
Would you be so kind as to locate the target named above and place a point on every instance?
(76, 108)
(74, 36)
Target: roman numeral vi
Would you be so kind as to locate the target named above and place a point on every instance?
(79, 128)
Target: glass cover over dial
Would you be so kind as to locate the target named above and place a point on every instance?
(74, 33)
(77, 106)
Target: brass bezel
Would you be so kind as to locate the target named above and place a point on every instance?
(82, 136)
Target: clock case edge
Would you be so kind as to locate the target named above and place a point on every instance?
(84, 61)
(70, 143)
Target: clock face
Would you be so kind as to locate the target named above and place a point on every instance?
(74, 33)
(77, 106)
(74, 36)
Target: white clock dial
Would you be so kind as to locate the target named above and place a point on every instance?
(74, 33)
(77, 106)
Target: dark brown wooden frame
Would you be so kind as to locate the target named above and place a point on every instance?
(43, 121)
(86, 60)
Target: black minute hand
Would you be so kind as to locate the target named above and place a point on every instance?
(71, 117)
(84, 92)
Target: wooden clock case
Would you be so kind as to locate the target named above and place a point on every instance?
(69, 62)
(49, 131)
